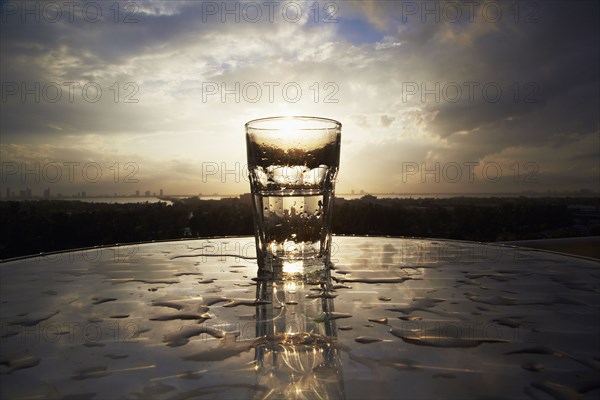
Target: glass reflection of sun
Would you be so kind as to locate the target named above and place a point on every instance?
(296, 267)
(308, 374)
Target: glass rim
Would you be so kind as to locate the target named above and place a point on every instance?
(332, 122)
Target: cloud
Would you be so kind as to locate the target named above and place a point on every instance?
(178, 83)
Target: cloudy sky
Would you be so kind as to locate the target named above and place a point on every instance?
(434, 97)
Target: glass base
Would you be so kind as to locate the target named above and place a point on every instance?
(284, 268)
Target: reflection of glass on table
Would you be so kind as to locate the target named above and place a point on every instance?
(298, 358)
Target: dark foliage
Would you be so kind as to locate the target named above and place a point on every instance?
(30, 227)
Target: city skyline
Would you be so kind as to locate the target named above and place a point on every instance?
(28, 193)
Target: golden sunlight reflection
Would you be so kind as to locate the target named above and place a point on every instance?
(296, 267)
(290, 286)
(300, 372)
(298, 358)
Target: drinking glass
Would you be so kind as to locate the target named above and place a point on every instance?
(293, 163)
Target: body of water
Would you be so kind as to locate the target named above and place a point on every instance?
(122, 200)
(108, 200)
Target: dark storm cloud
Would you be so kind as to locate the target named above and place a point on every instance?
(547, 72)
(110, 39)
(545, 61)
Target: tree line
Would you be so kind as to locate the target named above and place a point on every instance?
(31, 227)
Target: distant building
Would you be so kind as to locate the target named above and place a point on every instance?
(161, 192)
(47, 193)
(147, 193)
(8, 193)
(25, 194)
(137, 193)
(83, 195)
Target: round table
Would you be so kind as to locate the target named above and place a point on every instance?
(398, 318)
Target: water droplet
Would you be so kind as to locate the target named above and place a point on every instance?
(209, 301)
(20, 362)
(100, 300)
(116, 356)
(510, 322)
(87, 373)
(533, 366)
(245, 302)
(330, 316)
(444, 376)
(34, 319)
(182, 337)
(411, 318)
(341, 286)
(435, 338)
(557, 391)
(170, 304)
(94, 344)
(182, 316)
(154, 281)
(188, 273)
(373, 280)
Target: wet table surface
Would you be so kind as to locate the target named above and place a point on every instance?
(398, 318)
